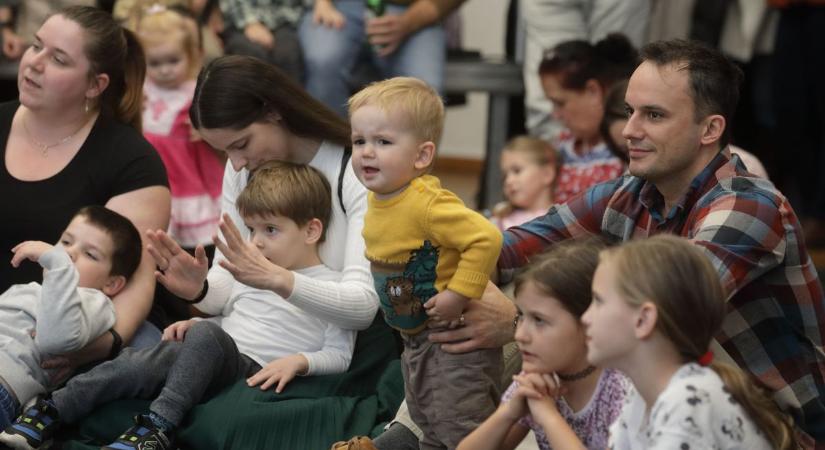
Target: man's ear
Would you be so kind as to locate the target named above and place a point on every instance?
(425, 156)
(646, 319)
(114, 284)
(98, 84)
(594, 89)
(313, 231)
(712, 129)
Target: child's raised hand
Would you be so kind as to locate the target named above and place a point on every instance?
(280, 371)
(177, 331)
(181, 273)
(324, 13)
(30, 250)
(244, 260)
(446, 306)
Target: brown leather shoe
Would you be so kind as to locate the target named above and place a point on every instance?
(356, 443)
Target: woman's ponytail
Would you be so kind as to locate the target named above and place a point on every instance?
(130, 108)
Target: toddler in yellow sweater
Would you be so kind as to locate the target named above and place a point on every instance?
(429, 255)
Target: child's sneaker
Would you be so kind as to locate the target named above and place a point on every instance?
(356, 443)
(142, 436)
(33, 429)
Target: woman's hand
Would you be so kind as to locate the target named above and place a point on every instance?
(177, 331)
(180, 272)
(280, 371)
(60, 367)
(246, 263)
(324, 13)
(488, 323)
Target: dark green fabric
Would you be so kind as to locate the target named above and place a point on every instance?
(311, 413)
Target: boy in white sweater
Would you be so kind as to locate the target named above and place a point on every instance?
(257, 335)
(97, 253)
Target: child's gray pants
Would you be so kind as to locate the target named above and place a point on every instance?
(176, 374)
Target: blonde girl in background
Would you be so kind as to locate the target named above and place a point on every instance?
(528, 166)
(195, 171)
(657, 304)
(204, 15)
(551, 297)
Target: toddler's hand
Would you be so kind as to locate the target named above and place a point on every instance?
(280, 371)
(446, 306)
(31, 250)
(177, 331)
(327, 15)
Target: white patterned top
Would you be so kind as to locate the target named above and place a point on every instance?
(694, 412)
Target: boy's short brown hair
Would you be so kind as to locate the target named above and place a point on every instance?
(415, 99)
(127, 248)
(296, 191)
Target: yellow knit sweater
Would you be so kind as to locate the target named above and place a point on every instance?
(422, 241)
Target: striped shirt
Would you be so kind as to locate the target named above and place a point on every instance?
(776, 308)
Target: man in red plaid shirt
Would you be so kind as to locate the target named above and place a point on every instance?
(683, 181)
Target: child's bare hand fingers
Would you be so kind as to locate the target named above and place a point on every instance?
(255, 379)
(528, 392)
(270, 381)
(283, 382)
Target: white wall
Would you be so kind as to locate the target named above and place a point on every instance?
(465, 129)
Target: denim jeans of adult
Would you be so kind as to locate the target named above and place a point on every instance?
(330, 55)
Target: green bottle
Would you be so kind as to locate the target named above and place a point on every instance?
(375, 7)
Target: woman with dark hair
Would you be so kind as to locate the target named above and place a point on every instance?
(576, 76)
(614, 120)
(73, 139)
(255, 113)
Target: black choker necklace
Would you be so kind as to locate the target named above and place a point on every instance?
(578, 375)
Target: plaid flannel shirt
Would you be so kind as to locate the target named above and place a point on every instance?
(776, 309)
(270, 13)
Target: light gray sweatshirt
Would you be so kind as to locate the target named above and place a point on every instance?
(55, 318)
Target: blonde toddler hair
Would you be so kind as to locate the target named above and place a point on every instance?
(680, 280)
(420, 104)
(159, 25)
(540, 152)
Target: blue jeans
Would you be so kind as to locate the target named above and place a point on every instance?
(8, 408)
(146, 336)
(330, 54)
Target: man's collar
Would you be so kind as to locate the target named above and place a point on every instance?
(652, 199)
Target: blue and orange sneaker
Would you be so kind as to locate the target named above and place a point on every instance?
(34, 429)
(142, 436)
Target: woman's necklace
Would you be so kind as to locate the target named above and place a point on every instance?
(44, 148)
(578, 375)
